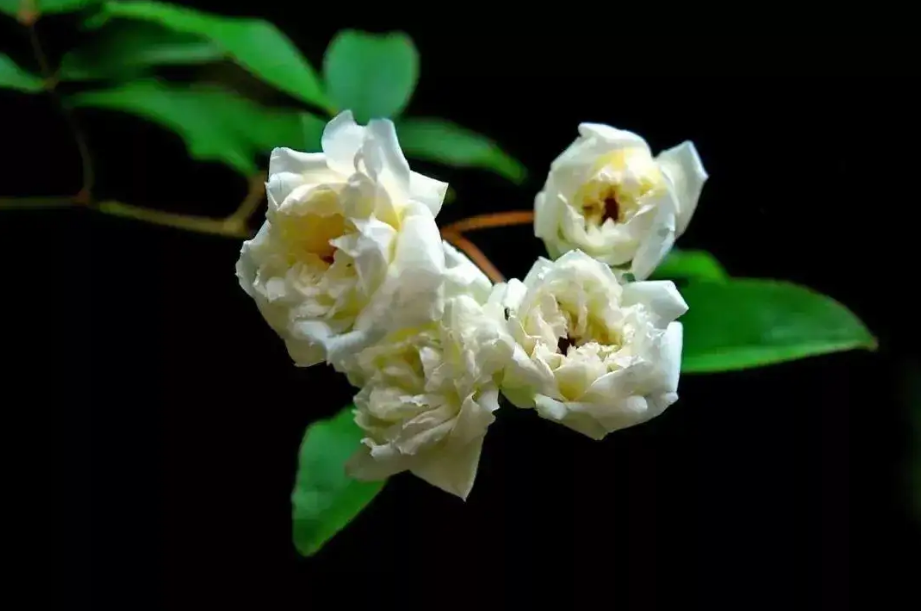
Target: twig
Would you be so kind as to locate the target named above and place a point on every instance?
(31, 203)
(84, 196)
(200, 224)
(476, 255)
(250, 203)
(496, 219)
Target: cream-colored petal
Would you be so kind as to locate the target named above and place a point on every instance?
(612, 136)
(683, 166)
(412, 292)
(365, 467)
(669, 361)
(463, 277)
(658, 242)
(558, 411)
(452, 469)
(427, 191)
(341, 141)
(661, 297)
(385, 160)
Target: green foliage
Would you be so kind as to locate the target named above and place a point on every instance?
(442, 141)
(372, 75)
(325, 499)
(215, 124)
(690, 264)
(64, 6)
(255, 44)
(14, 77)
(125, 49)
(744, 323)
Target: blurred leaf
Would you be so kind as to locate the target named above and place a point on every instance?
(325, 499)
(743, 323)
(125, 49)
(14, 77)
(63, 6)
(373, 75)
(690, 264)
(46, 6)
(215, 124)
(255, 44)
(442, 141)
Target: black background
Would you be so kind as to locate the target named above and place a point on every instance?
(182, 415)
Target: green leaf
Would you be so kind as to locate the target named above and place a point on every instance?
(215, 124)
(64, 6)
(690, 264)
(128, 48)
(325, 499)
(13, 7)
(447, 143)
(14, 77)
(744, 323)
(373, 75)
(255, 44)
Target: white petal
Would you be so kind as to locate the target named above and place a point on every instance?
(342, 139)
(611, 135)
(510, 294)
(284, 160)
(451, 469)
(547, 216)
(475, 416)
(658, 242)
(669, 364)
(660, 296)
(557, 411)
(305, 353)
(412, 293)
(385, 159)
(365, 467)
(427, 191)
(462, 276)
(524, 378)
(684, 168)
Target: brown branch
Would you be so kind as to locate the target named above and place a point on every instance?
(254, 198)
(495, 219)
(475, 254)
(200, 224)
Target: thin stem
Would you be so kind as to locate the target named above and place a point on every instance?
(476, 255)
(251, 202)
(495, 219)
(50, 84)
(200, 224)
(32, 203)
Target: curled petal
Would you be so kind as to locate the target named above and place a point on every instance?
(660, 296)
(658, 241)
(385, 160)
(686, 171)
(341, 141)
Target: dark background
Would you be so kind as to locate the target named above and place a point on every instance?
(182, 414)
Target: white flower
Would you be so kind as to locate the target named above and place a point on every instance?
(349, 249)
(607, 196)
(428, 395)
(591, 353)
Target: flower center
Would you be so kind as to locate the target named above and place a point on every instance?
(601, 201)
(562, 346)
(311, 234)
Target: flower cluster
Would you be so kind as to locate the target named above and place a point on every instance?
(349, 268)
